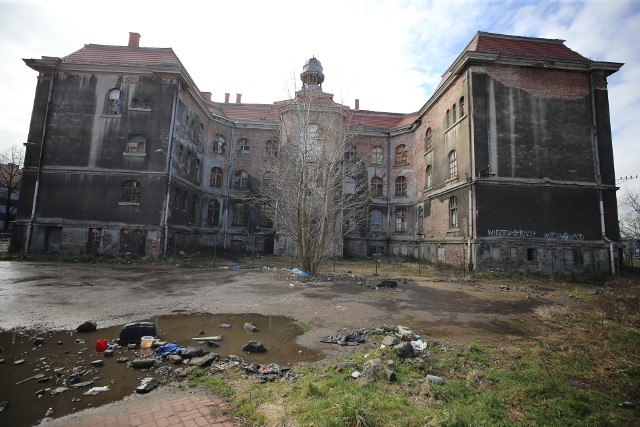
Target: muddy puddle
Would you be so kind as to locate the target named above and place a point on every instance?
(63, 355)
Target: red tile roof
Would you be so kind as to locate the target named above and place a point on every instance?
(376, 119)
(524, 47)
(247, 112)
(123, 55)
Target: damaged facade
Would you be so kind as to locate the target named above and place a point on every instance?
(508, 165)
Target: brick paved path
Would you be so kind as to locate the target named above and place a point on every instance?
(163, 407)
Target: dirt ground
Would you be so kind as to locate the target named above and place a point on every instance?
(63, 295)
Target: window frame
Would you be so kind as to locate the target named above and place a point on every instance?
(377, 156)
(377, 188)
(428, 140)
(113, 105)
(239, 217)
(213, 212)
(453, 164)
(218, 144)
(400, 186)
(401, 154)
(271, 148)
(216, 177)
(241, 180)
(400, 220)
(243, 148)
(376, 214)
(453, 212)
(428, 177)
(138, 141)
(130, 192)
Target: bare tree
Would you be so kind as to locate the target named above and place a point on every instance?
(314, 187)
(630, 218)
(10, 180)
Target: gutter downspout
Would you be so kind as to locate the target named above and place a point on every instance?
(229, 183)
(388, 187)
(471, 178)
(594, 140)
(34, 204)
(174, 115)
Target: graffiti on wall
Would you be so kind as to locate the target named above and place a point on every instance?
(521, 234)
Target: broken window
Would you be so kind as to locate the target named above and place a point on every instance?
(376, 186)
(313, 138)
(401, 220)
(185, 202)
(239, 215)
(136, 144)
(196, 170)
(180, 152)
(453, 113)
(244, 147)
(176, 199)
(453, 212)
(401, 154)
(218, 144)
(216, 177)
(268, 180)
(130, 192)
(213, 212)
(461, 106)
(377, 157)
(147, 104)
(427, 140)
(135, 103)
(447, 119)
(271, 148)
(428, 178)
(401, 186)
(241, 180)
(453, 164)
(113, 102)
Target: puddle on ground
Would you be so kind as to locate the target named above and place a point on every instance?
(277, 333)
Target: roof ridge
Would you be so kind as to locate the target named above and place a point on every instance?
(528, 38)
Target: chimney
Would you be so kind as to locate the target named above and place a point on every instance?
(226, 98)
(357, 104)
(206, 95)
(134, 39)
(238, 98)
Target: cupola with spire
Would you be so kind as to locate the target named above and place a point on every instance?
(312, 76)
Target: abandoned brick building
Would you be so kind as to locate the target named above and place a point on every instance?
(509, 164)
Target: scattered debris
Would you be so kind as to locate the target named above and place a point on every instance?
(404, 349)
(388, 284)
(88, 326)
(144, 363)
(95, 390)
(250, 327)
(254, 347)
(299, 272)
(18, 362)
(353, 338)
(59, 390)
(435, 379)
(224, 326)
(390, 341)
(147, 384)
(99, 362)
(35, 377)
(216, 338)
(3, 405)
(419, 345)
(190, 352)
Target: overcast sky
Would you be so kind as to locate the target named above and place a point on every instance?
(388, 54)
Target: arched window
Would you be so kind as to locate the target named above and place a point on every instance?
(461, 106)
(401, 220)
(239, 215)
(453, 112)
(135, 103)
(427, 140)
(376, 186)
(271, 148)
(244, 147)
(401, 154)
(401, 186)
(428, 179)
(218, 144)
(113, 102)
(453, 212)
(453, 164)
(268, 180)
(377, 158)
(241, 180)
(216, 177)
(375, 220)
(130, 192)
(447, 120)
(176, 199)
(213, 212)
(136, 144)
(349, 185)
